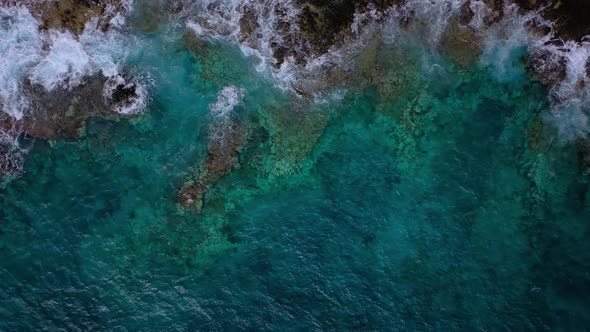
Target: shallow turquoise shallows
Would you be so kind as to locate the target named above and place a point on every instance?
(430, 197)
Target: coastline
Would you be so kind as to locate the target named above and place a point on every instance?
(279, 164)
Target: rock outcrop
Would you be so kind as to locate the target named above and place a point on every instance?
(570, 16)
(70, 15)
(222, 157)
(63, 112)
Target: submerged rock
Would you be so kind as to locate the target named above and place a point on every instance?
(11, 158)
(292, 135)
(227, 136)
(222, 156)
(461, 44)
(549, 68)
(63, 112)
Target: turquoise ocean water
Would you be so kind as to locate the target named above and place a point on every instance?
(430, 197)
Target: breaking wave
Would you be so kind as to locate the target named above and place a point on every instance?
(227, 99)
(20, 49)
(265, 29)
(53, 59)
(126, 96)
(222, 110)
(33, 59)
(270, 31)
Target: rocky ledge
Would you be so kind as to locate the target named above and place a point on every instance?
(63, 112)
(70, 15)
(322, 22)
(221, 159)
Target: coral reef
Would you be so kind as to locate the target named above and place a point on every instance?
(222, 157)
(292, 136)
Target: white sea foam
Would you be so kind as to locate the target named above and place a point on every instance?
(503, 39)
(11, 155)
(222, 109)
(227, 99)
(134, 101)
(57, 58)
(271, 23)
(66, 63)
(261, 27)
(20, 48)
(530, 33)
(571, 104)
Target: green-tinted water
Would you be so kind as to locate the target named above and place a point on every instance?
(430, 198)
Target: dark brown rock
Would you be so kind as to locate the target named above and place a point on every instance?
(123, 92)
(460, 44)
(70, 15)
(322, 21)
(226, 141)
(63, 112)
(570, 16)
(549, 68)
(497, 11)
(248, 26)
(466, 13)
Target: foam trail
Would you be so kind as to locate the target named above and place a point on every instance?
(20, 48)
(257, 27)
(561, 65)
(572, 95)
(505, 42)
(227, 99)
(65, 65)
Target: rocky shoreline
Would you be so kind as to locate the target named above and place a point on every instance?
(63, 110)
(318, 27)
(71, 15)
